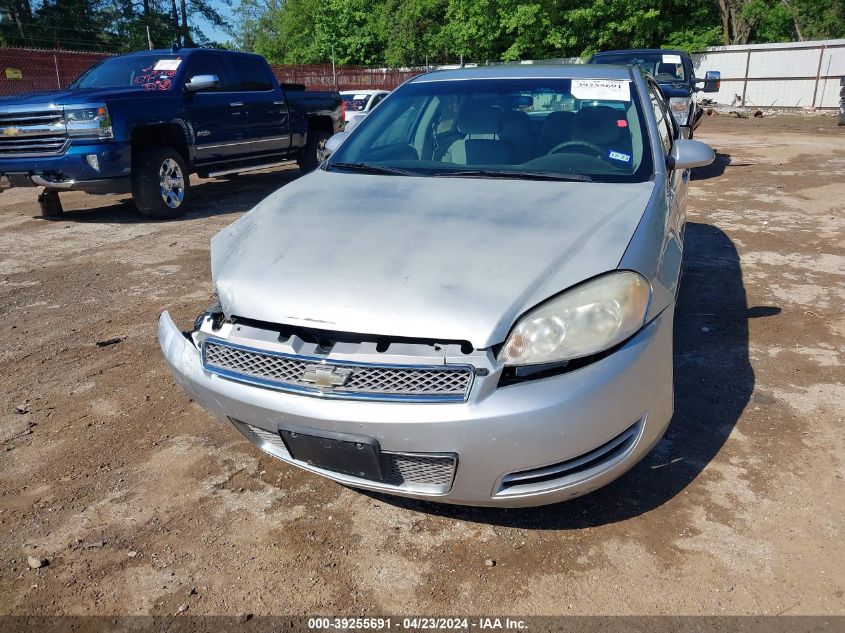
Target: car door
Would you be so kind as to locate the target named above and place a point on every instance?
(676, 179)
(268, 128)
(216, 125)
(375, 100)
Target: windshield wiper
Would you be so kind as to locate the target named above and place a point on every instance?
(513, 175)
(369, 168)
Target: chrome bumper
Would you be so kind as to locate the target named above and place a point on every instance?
(498, 434)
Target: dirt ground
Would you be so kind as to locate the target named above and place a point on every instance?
(144, 504)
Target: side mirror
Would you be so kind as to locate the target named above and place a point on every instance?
(712, 81)
(687, 153)
(331, 145)
(199, 83)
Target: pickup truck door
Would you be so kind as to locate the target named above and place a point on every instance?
(218, 126)
(264, 101)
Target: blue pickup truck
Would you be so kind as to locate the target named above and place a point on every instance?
(675, 74)
(143, 122)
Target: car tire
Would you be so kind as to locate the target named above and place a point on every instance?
(309, 159)
(161, 184)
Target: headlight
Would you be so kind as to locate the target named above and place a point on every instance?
(680, 109)
(583, 321)
(214, 311)
(90, 121)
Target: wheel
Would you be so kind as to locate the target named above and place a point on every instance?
(51, 206)
(161, 185)
(309, 159)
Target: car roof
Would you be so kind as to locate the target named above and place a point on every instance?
(527, 71)
(185, 51)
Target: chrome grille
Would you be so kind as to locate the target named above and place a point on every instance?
(358, 380)
(417, 472)
(38, 133)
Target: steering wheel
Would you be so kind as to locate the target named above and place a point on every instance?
(566, 144)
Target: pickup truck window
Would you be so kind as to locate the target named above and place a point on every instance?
(665, 67)
(543, 127)
(251, 74)
(152, 72)
(208, 64)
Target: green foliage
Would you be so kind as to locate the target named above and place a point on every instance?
(413, 32)
(101, 25)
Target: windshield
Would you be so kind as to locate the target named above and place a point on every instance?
(587, 129)
(150, 72)
(354, 102)
(664, 67)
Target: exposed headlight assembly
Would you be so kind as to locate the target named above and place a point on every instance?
(680, 109)
(89, 121)
(586, 320)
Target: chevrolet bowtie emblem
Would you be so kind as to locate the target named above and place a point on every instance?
(327, 377)
(11, 131)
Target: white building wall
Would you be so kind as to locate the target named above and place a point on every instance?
(789, 75)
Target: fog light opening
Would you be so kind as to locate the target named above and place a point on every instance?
(94, 161)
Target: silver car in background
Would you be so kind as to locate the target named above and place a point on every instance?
(497, 329)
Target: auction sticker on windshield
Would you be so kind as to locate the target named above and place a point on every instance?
(601, 89)
(167, 64)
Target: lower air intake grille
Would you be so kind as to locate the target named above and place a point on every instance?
(570, 471)
(339, 380)
(417, 472)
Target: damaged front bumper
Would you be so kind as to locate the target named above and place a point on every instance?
(525, 444)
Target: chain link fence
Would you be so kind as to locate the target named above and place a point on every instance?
(31, 70)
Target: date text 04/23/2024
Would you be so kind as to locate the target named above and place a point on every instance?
(416, 624)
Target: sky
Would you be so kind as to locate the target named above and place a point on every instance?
(215, 33)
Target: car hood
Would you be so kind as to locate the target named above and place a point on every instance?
(445, 259)
(68, 97)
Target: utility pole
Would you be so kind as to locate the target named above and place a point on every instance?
(149, 39)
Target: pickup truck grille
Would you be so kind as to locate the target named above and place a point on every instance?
(361, 381)
(38, 133)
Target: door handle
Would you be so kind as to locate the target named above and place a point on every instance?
(236, 104)
(278, 103)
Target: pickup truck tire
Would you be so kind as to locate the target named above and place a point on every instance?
(308, 159)
(161, 184)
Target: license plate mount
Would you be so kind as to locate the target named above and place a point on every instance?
(355, 455)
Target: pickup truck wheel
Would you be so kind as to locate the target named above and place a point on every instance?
(160, 183)
(309, 160)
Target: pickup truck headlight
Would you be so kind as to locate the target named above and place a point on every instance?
(89, 121)
(680, 109)
(586, 320)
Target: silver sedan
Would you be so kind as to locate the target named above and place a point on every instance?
(470, 302)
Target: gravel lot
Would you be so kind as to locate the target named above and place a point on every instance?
(141, 503)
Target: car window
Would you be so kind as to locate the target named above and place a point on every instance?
(251, 74)
(398, 131)
(354, 102)
(588, 127)
(376, 100)
(150, 72)
(665, 67)
(664, 128)
(208, 64)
